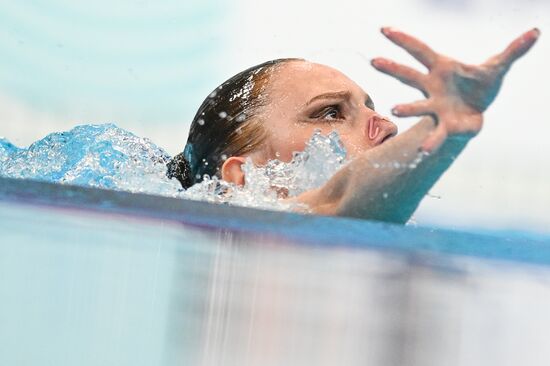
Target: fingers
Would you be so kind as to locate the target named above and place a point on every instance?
(415, 47)
(419, 108)
(435, 139)
(405, 74)
(517, 48)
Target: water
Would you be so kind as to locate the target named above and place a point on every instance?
(102, 156)
(92, 277)
(106, 156)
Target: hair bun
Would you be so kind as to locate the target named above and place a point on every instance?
(180, 169)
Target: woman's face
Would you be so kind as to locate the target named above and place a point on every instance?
(305, 96)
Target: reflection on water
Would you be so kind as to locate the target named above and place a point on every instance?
(82, 288)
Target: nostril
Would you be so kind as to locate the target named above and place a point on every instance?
(373, 128)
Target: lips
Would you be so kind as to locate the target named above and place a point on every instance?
(380, 129)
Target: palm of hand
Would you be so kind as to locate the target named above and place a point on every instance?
(457, 94)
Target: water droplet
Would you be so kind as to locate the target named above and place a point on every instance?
(241, 117)
(224, 157)
(385, 195)
(213, 94)
(201, 122)
(222, 114)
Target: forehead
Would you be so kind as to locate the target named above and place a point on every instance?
(303, 79)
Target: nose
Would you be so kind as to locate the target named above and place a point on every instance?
(374, 127)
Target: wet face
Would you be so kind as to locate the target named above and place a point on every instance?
(305, 96)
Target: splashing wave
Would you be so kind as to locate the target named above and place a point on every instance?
(109, 157)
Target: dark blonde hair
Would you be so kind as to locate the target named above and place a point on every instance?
(226, 124)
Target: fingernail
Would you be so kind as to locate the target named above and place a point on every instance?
(537, 30)
(379, 62)
(385, 30)
(395, 111)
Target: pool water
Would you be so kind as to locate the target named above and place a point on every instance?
(106, 156)
(91, 276)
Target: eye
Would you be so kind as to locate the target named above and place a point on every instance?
(369, 104)
(330, 113)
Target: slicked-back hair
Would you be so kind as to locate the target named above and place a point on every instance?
(226, 124)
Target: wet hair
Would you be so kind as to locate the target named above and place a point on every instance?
(226, 124)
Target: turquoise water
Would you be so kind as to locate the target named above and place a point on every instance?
(95, 271)
(102, 156)
(106, 156)
(111, 58)
(91, 276)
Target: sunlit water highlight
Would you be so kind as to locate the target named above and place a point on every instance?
(106, 156)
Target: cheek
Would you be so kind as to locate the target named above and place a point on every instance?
(355, 142)
(284, 142)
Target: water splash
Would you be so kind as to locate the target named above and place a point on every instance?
(266, 185)
(109, 157)
(6, 150)
(102, 156)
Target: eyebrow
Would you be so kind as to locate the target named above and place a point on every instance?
(331, 95)
(338, 95)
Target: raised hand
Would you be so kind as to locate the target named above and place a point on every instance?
(456, 93)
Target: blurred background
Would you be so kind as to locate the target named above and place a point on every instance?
(147, 66)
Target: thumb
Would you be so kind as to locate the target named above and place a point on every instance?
(516, 49)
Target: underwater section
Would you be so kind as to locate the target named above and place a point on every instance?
(113, 277)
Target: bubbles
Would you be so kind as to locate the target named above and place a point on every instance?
(6, 149)
(222, 114)
(103, 156)
(397, 165)
(266, 185)
(200, 121)
(106, 156)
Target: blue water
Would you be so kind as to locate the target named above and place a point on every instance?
(111, 276)
(102, 156)
(91, 276)
(105, 156)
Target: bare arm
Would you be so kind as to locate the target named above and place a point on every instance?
(388, 182)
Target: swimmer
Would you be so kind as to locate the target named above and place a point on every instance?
(271, 110)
